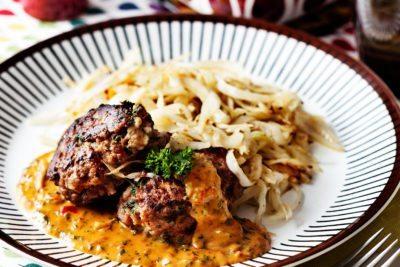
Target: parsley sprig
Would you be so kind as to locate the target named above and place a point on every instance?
(168, 164)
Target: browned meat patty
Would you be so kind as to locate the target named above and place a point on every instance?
(109, 134)
(160, 208)
(229, 183)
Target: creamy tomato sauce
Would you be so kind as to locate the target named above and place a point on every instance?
(218, 240)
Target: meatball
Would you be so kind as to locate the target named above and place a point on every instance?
(229, 183)
(109, 135)
(160, 208)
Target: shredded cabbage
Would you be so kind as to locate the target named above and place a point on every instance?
(234, 166)
(205, 104)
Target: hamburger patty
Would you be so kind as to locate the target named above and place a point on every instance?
(160, 208)
(108, 135)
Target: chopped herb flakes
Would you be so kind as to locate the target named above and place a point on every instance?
(79, 138)
(133, 190)
(168, 164)
(131, 204)
(117, 137)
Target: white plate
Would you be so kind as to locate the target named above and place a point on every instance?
(350, 191)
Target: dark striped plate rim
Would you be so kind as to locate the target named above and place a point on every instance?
(379, 86)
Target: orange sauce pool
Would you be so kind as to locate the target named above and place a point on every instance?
(218, 240)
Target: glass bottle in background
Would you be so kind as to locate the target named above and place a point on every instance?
(378, 38)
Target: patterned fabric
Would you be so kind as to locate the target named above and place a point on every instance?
(328, 19)
(19, 30)
(344, 39)
(10, 259)
(272, 10)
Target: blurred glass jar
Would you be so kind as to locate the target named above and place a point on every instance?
(378, 38)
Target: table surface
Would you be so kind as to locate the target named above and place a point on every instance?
(18, 31)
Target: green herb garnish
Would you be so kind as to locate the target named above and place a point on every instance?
(168, 164)
(132, 206)
(117, 138)
(133, 190)
(79, 138)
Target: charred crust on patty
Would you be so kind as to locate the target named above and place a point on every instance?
(107, 135)
(160, 208)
